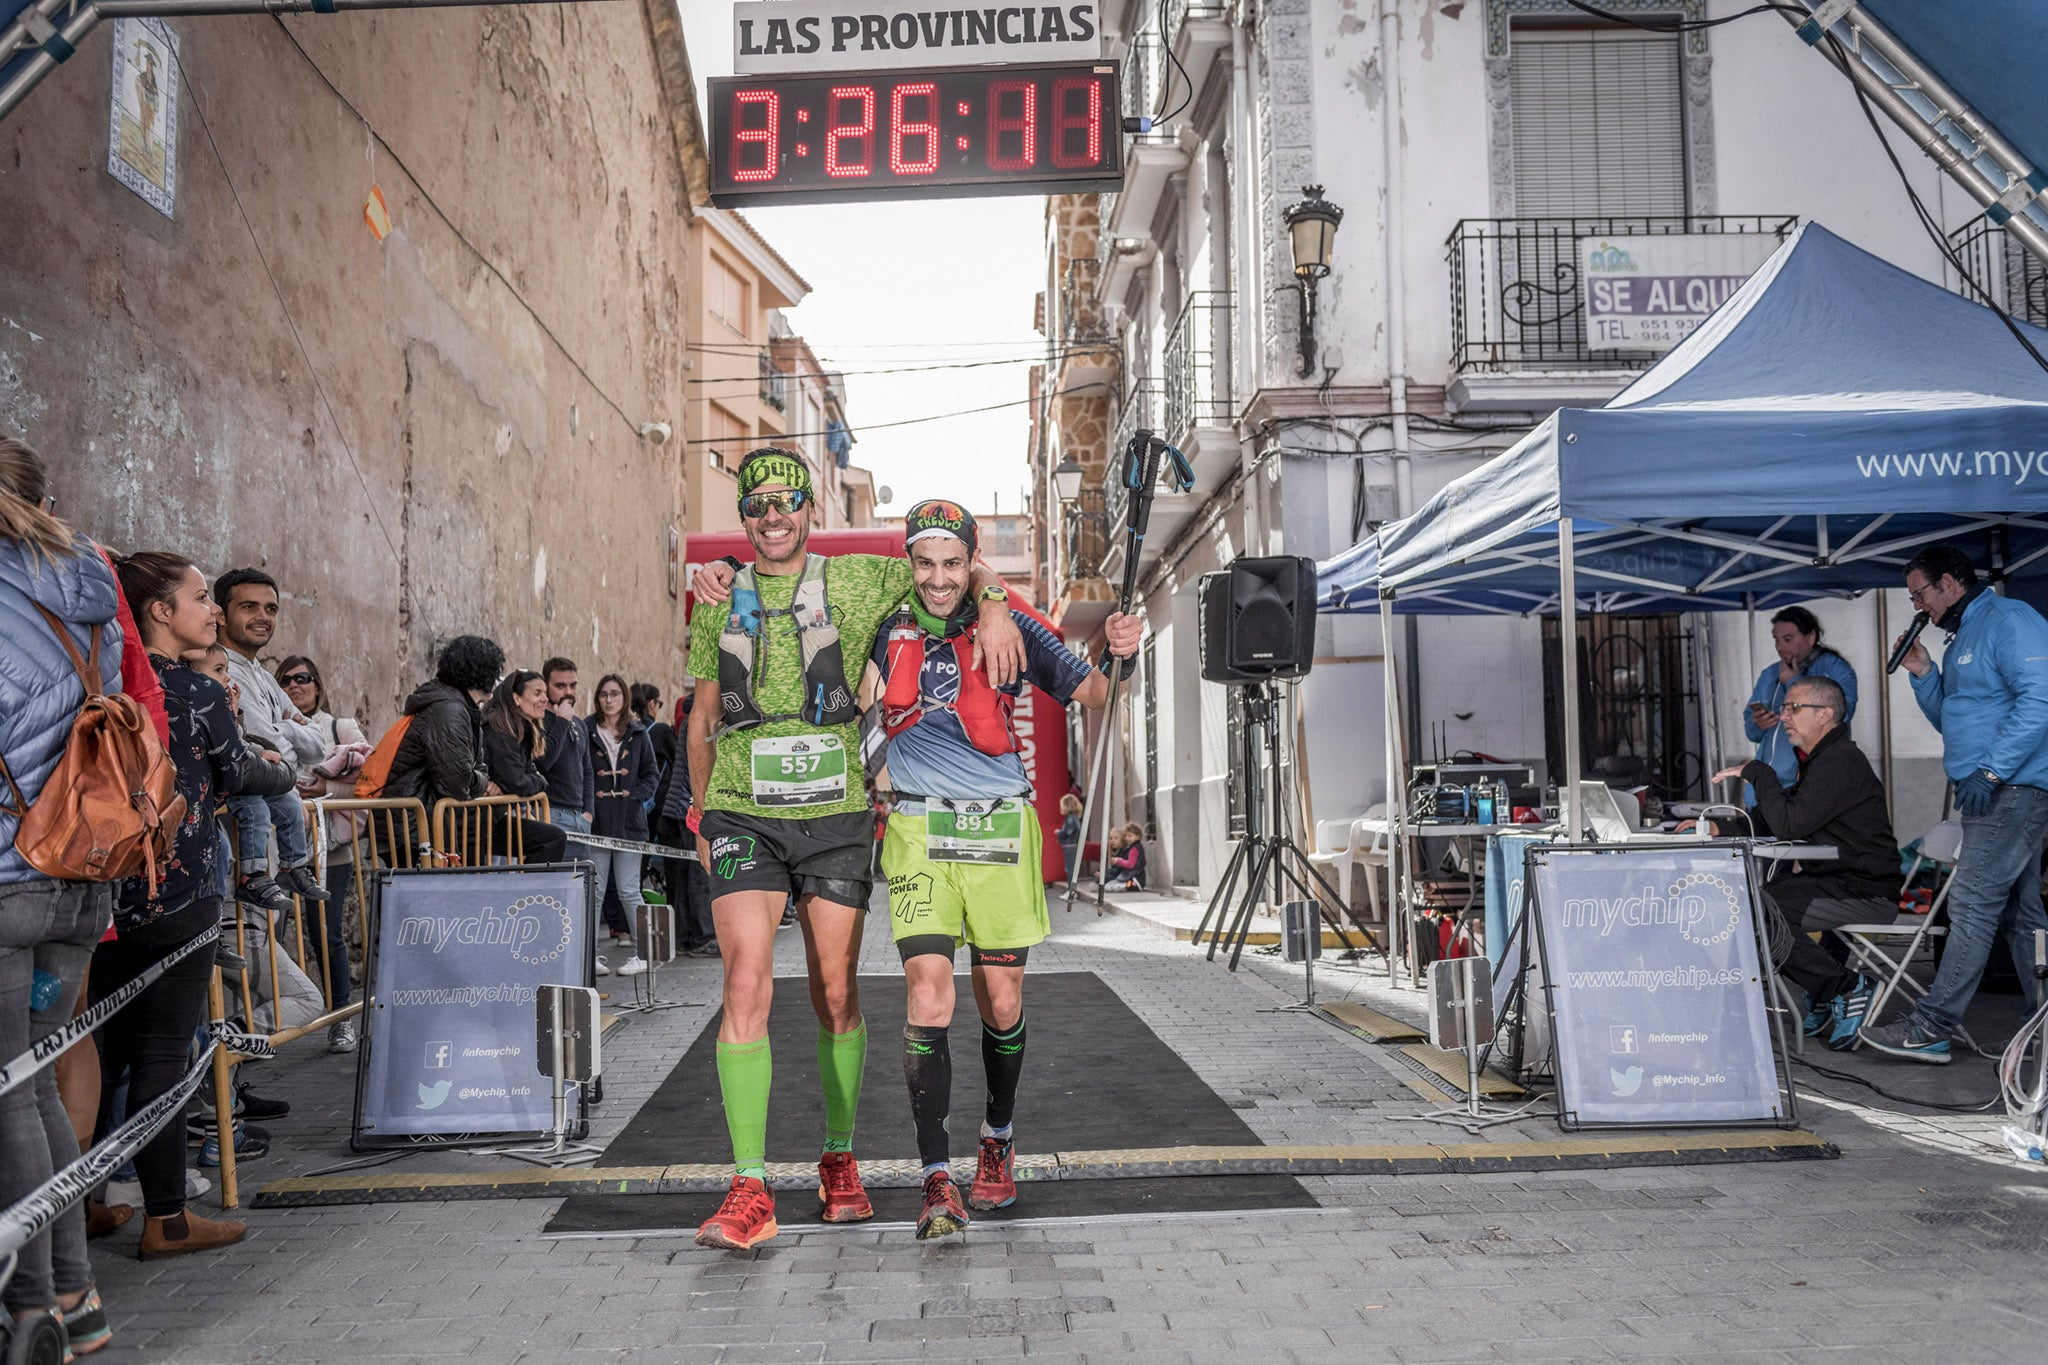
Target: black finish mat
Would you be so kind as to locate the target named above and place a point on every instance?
(1095, 1077)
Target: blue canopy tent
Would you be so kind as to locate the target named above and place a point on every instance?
(1835, 415)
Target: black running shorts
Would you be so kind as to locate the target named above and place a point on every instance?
(829, 855)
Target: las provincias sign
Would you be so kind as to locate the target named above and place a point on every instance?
(805, 36)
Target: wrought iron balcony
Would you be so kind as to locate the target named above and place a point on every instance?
(1084, 538)
(2004, 273)
(1082, 323)
(1144, 76)
(1197, 367)
(774, 385)
(1178, 12)
(1139, 411)
(1516, 301)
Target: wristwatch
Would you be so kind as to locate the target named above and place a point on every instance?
(1993, 778)
(994, 592)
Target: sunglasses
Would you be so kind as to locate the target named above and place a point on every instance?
(755, 505)
(298, 679)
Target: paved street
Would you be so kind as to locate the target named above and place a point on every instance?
(1920, 1242)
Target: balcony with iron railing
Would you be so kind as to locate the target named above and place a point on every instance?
(2001, 272)
(1084, 539)
(1197, 367)
(774, 385)
(1517, 301)
(1139, 411)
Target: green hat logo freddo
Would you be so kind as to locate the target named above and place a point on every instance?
(937, 516)
(772, 464)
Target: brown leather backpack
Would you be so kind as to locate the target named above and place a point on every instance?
(111, 807)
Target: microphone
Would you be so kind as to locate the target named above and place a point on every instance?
(1891, 665)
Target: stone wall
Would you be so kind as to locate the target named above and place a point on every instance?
(420, 437)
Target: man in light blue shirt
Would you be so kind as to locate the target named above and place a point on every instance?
(1989, 700)
(1796, 633)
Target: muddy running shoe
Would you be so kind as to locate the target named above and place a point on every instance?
(942, 1215)
(840, 1191)
(1905, 1039)
(744, 1221)
(995, 1177)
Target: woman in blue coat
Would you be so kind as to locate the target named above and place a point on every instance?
(1796, 633)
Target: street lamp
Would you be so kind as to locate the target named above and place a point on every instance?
(1066, 479)
(1312, 229)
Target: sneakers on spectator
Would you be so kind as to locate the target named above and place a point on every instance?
(250, 1105)
(1906, 1039)
(251, 1143)
(341, 1036)
(263, 893)
(788, 915)
(1820, 1017)
(603, 968)
(301, 882)
(708, 948)
(130, 1191)
(85, 1323)
(1848, 1010)
(635, 965)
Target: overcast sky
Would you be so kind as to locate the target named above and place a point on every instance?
(898, 284)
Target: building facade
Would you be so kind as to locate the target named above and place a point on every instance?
(1470, 144)
(384, 304)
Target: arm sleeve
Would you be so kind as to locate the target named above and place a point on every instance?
(237, 770)
(2022, 660)
(645, 772)
(1758, 693)
(1927, 691)
(348, 731)
(509, 765)
(453, 765)
(1795, 814)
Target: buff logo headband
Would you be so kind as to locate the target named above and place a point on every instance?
(773, 466)
(939, 518)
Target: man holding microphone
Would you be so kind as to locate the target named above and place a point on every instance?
(1989, 700)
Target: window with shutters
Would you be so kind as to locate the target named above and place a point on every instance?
(1599, 122)
(725, 295)
(726, 437)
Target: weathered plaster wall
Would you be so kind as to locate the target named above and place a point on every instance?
(429, 436)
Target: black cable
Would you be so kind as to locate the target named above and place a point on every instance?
(1686, 25)
(1834, 1075)
(1041, 357)
(906, 422)
(1187, 83)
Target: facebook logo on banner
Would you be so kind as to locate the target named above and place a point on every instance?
(439, 1056)
(1622, 1038)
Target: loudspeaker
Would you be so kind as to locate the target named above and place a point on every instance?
(1258, 619)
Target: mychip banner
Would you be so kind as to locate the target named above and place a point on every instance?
(1652, 961)
(449, 1024)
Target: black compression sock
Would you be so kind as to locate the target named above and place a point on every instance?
(1002, 1055)
(928, 1067)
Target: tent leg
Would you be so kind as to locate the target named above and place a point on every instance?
(1568, 639)
(1396, 800)
(1884, 703)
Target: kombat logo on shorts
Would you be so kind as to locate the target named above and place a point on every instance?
(732, 853)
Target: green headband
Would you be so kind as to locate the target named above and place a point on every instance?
(771, 464)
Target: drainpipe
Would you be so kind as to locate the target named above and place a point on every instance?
(1247, 297)
(1397, 294)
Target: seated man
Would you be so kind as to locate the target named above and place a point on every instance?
(1838, 802)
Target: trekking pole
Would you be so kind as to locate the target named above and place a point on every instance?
(1140, 476)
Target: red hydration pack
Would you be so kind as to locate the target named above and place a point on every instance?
(984, 710)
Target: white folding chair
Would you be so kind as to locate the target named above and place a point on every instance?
(1372, 844)
(1333, 851)
(1887, 951)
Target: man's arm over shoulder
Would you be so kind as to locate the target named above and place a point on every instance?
(1053, 668)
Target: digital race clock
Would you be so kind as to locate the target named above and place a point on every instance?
(961, 131)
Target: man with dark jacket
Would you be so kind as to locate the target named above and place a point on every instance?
(565, 765)
(1838, 802)
(442, 754)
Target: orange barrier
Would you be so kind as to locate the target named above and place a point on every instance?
(480, 832)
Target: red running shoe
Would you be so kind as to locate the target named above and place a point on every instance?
(840, 1191)
(942, 1216)
(995, 1177)
(744, 1221)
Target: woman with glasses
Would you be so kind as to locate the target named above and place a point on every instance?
(347, 746)
(623, 775)
(1796, 633)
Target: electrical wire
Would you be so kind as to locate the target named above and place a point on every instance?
(1040, 357)
(1873, 1086)
(1686, 25)
(905, 422)
(1187, 82)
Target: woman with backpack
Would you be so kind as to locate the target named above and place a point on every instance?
(158, 917)
(47, 927)
(623, 773)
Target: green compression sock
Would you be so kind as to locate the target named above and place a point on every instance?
(842, 1057)
(744, 1070)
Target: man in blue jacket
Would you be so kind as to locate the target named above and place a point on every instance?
(1989, 700)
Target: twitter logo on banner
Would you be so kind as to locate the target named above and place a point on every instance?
(432, 1096)
(1625, 1083)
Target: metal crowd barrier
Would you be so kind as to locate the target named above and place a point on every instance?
(480, 832)
(387, 833)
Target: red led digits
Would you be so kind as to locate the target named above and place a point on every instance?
(839, 132)
(764, 137)
(901, 129)
(1076, 123)
(1004, 124)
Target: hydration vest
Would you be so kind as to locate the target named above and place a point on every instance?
(827, 698)
(983, 709)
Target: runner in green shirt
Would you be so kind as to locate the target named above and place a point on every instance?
(774, 755)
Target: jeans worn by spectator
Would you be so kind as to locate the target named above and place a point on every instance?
(256, 816)
(45, 926)
(1997, 886)
(620, 871)
(152, 1037)
(333, 945)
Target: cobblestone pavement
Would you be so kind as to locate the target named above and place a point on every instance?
(1921, 1242)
